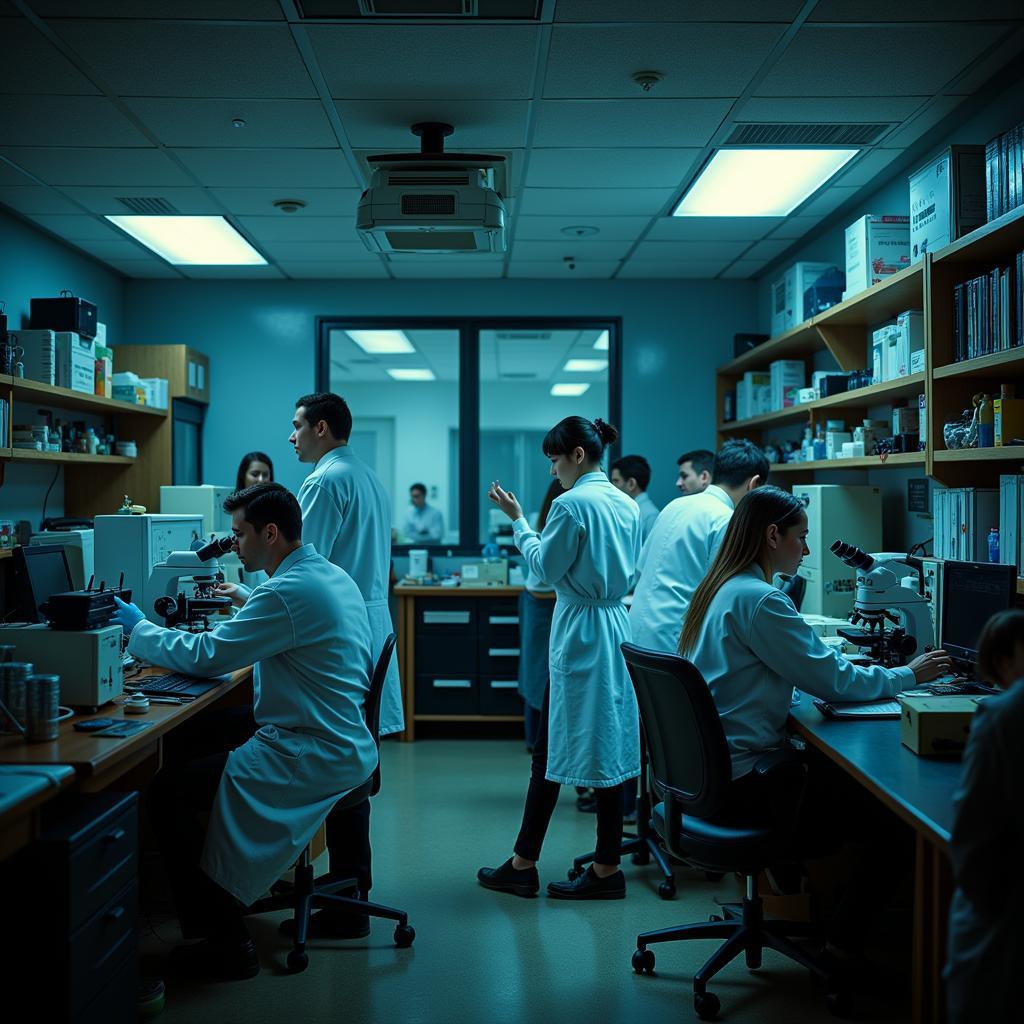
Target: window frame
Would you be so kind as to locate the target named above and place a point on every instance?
(469, 330)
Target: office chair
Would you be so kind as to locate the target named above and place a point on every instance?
(693, 770)
(308, 893)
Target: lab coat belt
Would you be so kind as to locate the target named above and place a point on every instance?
(590, 602)
(380, 603)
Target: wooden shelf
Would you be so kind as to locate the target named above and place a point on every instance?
(794, 412)
(6, 553)
(988, 244)
(1008, 453)
(802, 340)
(983, 366)
(35, 391)
(881, 302)
(866, 462)
(25, 455)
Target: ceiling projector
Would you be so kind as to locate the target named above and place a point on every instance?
(432, 201)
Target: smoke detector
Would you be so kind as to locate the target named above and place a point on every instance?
(647, 79)
(289, 205)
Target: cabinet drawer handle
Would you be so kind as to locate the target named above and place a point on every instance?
(449, 618)
(503, 652)
(503, 620)
(504, 684)
(116, 836)
(452, 684)
(114, 914)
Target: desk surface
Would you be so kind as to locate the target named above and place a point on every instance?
(918, 789)
(433, 590)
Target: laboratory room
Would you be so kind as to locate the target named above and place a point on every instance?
(511, 510)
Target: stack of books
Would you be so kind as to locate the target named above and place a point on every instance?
(1004, 172)
(988, 312)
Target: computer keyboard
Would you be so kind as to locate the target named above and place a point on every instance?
(171, 683)
(960, 688)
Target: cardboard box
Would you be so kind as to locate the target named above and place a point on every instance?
(936, 726)
(853, 450)
(76, 362)
(879, 353)
(1008, 417)
(834, 441)
(752, 394)
(877, 246)
(917, 361)
(786, 378)
(156, 391)
(905, 419)
(787, 294)
(947, 199)
(909, 340)
(805, 395)
(40, 358)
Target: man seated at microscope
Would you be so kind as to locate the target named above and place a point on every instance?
(271, 778)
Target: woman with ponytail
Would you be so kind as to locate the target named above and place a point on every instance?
(751, 646)
(589, 729)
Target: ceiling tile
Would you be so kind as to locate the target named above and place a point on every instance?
(1007, 53)
(767, 249)
(939, 109)
(829, 200)
(66, 121)
(232, 272)
(550, 228)
(869, 166)
(743, 269)
(444, 268)
(271, 124)
(320, 202)
(580, 248)
(882, 11)
(311, 252)
(79, 227)
(149, 167)
(118, 248)
(697, 60)
(575, 202)
(828, 109)
(499, 124)
(558, 271)
(267, 168)
(34, 199)
(420, 257)
(144, 268)
(194, 10)
(711, 229)
(908, 60)
(674, 10)
(13, 176)
(139, 58)
(633, 122)
(318, 270)
(105, 199)
(290, 227)
(689, 251)
(469, 62)
(609, 168)
(673, 269)
(31, 65)
(796, 227)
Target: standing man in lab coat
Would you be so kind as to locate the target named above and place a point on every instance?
(683, 544)
(302, 746)
(694, 471)
(632, 475)
(346, 516)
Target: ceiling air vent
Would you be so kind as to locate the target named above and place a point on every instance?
(425, 178)
(806, 134)
(479, 10)
(518, 376)
(426, 205)
(152, 205)
(523, 335)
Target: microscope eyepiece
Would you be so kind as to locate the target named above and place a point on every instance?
(852, 555)
(215, 548)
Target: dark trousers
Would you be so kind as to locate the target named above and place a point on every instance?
(542, 797)
(531, 723)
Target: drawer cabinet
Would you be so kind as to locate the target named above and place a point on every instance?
(447, 695)
(500, 696)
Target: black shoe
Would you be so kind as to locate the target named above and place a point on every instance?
(508, 879)
(586, 804)
(590, 886)
(331, 924)
(217, 960)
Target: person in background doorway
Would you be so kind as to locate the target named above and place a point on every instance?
(589, 732)
(536, 607)
(346, 516)
(695, 471)
(683, 545)
(632, 475)
(255, 468)
(986, 943)
(423, 524)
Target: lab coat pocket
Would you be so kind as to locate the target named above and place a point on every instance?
(277, 753)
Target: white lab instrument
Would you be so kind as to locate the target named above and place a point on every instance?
(79, 548)
(418, 561)
(206, 500)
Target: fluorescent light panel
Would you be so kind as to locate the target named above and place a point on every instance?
(569, 390)
(191, 241)
(412, 374)
(586, 365)
(760, 182)
(382, 342)
(602, 342)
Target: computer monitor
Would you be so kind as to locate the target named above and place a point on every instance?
(972, 592)
(39, 572)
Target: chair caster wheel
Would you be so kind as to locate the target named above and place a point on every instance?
(404, 935)
(643, 961)
(575, 872)
(297, 962)
(716, 917)
(706, 1004)
(714, 876)
(667, 890)
(640, 859)
(839, 1004)
(753, 959)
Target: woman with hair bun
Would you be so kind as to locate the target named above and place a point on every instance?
(589, 729)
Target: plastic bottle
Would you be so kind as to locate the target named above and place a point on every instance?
(993, 544)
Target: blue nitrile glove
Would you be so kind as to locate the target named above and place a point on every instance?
(127, 616)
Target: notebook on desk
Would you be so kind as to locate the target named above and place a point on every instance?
(888, 708)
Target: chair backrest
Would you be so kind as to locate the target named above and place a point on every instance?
(686, 745)
(371, 710)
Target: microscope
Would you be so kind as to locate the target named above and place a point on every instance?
(201, 568)
(882, 597)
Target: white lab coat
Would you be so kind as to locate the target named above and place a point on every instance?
(588, 553)
(986, 943)
(754, 648)
(346, 516)
(675, 558)
(306, 632)
(423, 525)
(648, 514)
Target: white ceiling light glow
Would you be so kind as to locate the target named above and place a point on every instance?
(586, 365)
(191, 241)
(377, 343)
(602, 342)
(411, 374)
(569, 390)
(760, 182)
